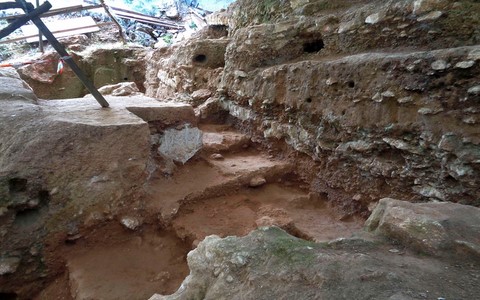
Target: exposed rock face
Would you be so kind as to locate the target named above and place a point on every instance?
(433, 228)
(185, 68)
(61, 160)
(102, 66)
(270, 264)
(367, 89)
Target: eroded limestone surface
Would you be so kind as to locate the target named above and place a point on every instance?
(270, 264)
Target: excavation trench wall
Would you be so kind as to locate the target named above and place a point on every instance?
(382, 96)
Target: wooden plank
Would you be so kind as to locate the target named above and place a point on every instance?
(62, 28)
(152, 21)
(55, 12)
(7, 41)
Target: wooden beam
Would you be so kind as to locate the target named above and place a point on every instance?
(149, 20)
(57, 11)
(22, 21)
(60, 31)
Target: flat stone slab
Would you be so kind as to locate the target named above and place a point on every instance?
(129, 109)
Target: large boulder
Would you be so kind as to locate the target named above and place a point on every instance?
(271, 264)
(12, 87)
(61, 161)
(439, 228)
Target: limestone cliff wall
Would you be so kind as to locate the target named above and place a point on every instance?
(383, 96)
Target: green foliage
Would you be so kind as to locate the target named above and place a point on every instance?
(168, 38)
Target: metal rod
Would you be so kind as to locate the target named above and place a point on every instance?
(28, 7)
(40, 39)
(8, 5)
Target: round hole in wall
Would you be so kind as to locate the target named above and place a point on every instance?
(16, 185)
(313, 46)
(200, 58)
(125, 78)
(308, 100)
(351, 84)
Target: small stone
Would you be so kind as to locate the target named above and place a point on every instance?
(465, 64)
(9, 265)
(201, 95)
(330, 81)
(405, 100)
(439, 65)
(388, 94)
(469, 120)
(257, 181)
(429, 192)
(130, 223)
(373, 18)
(474, 90)
(229, 279)
(377, 98)
(474, 55)
(240, 74)
(394, 251)
(429, 111)
(449, 142)
(217, 156)
(430, 16)
(162, 276)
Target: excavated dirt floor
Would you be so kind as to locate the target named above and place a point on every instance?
(214, 193)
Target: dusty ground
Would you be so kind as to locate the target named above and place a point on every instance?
(214, 196)
(205, 196)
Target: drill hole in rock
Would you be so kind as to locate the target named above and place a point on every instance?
(200, 58)
(44, 196)
(17, 185)
(351, 84)
(313, 46)
(8, 296)
(308, 100)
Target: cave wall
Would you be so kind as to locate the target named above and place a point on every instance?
(383, 96)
